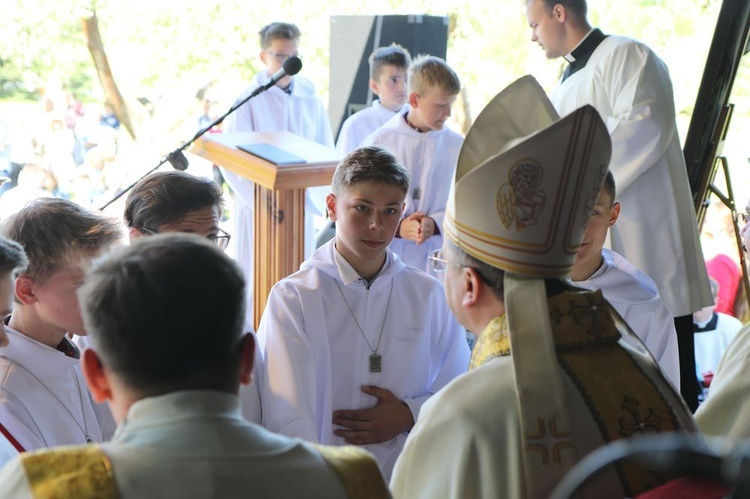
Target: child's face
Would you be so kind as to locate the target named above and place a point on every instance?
(7, 281)
(432, 109)
(273, 56)
(604, 216)
(366, 216)
(390, 87)
(57, 298)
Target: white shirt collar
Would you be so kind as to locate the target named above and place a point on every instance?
(569, 56)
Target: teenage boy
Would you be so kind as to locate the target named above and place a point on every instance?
(43, 400)
(632, 293)
(177, 201)
(429, 151)
(388, 67)
(181, 432)
(12, 260)
(356, 341)
(290, 105)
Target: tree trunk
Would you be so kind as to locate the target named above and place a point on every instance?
(112, 94)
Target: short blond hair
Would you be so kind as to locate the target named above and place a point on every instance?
(427, 72)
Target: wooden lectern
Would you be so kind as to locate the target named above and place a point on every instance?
(279, 211)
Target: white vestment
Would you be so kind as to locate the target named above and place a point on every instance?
(360, 125)
(43, 399)
(656, 231)
(711, 345)
(635, 297)
(726, 411)
(195, 444)
(317, 358)
(431, 159)
(301, 113)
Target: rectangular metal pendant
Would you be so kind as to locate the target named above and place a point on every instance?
(375, 363)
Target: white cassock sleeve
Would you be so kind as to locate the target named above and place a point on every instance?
(641, 121)
(13, 482)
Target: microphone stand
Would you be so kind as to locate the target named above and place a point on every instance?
(178, 160)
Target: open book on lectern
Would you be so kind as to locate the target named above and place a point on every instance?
(272, 153)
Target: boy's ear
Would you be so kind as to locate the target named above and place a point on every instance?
(95, 376)
(133, 233)
(331, 206)
(263, 56)
(374, 87)
(614, 213)
(414, 100)
(24, 290)
(247, 358)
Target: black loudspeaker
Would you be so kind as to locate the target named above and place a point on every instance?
(354, 38)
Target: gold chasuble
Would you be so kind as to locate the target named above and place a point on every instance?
(70, 473)
(357, 470)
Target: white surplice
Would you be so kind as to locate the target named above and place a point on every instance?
(195, 444)
(635, 297)
(431, 159)
(656, 231)
(360, 125)
(317, 358)
(44, 401)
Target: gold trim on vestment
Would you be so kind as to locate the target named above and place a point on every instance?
(357, 470)
(493, 342)
(74, 472)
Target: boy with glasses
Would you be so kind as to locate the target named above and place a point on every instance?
(291, 105)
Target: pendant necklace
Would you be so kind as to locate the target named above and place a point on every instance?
(85, 428)
(376, 364)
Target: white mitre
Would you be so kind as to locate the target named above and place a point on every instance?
(525, 185)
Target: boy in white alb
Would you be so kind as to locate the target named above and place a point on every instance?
(632, 293)
(12, 259)
(43, 400)
(290, 105)
(356, 341)
(429, 151)
(388, 67)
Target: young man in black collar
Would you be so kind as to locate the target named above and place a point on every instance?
(630, 88)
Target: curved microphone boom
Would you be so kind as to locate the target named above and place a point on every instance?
(178, 160)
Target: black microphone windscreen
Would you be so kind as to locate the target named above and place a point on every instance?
(292, 65)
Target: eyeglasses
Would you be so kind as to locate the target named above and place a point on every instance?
(281, 57)
(743, 218)
(221, 239)
(438, 264)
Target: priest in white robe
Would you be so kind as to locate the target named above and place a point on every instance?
(631, 89)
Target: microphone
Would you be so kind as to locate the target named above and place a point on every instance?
(290, 67)
(178, 160)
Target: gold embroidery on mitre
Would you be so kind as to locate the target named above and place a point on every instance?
(623, 400)
(75, 472)
(357, 471)
(521, 200)
(493, 342)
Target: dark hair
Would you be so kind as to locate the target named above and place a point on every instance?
(276, 31)
(492, 276)
(12, 256)
(609, 187)
(370, 164)
(393, 55)
(53, 230)
(167, 313)
(167, 197)
(578, 7)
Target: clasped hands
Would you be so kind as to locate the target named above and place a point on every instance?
(386, 420)
(417, 227)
